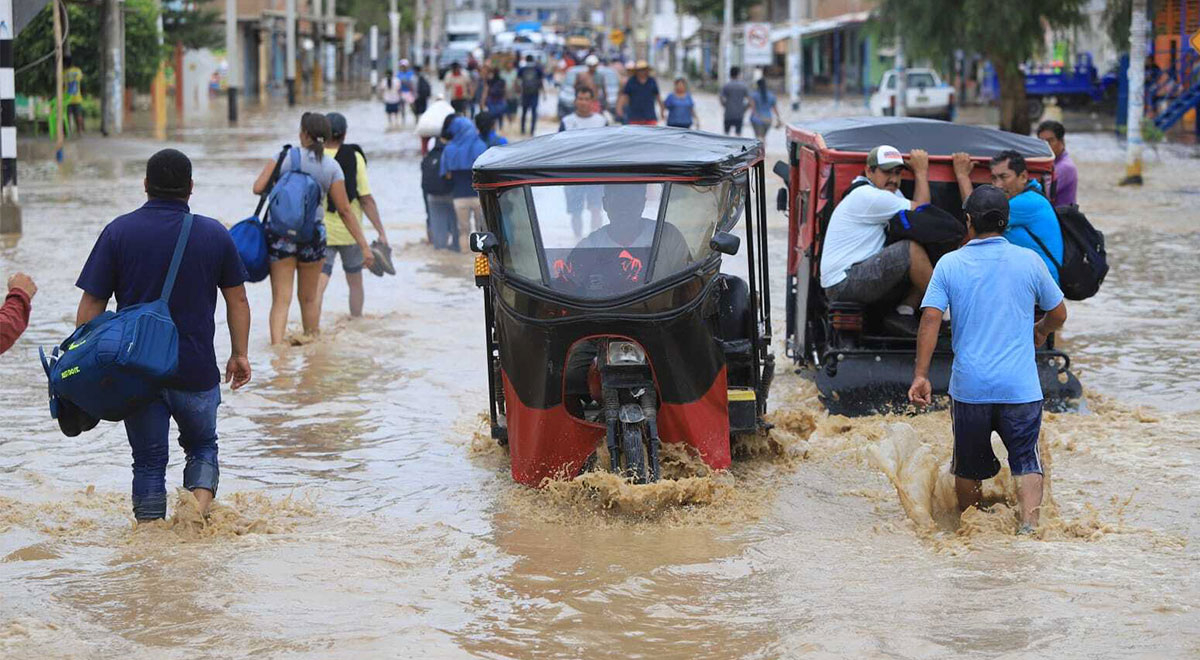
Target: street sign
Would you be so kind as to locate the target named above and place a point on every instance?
(1195, 42)
(616, 37)
(757, 50)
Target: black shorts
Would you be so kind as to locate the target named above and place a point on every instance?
(733, 126)
(1018, 425)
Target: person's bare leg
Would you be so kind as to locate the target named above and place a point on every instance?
(322, 284)
(204, 498)
(969, 492)
(1029, 494)
(920, 271)
(282, 276)
(310, 304)
(355, 282)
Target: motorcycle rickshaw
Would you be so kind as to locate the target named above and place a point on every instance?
(609, 322)
(860, 368)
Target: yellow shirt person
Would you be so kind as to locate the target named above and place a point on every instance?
(335, 230)
(73, 77)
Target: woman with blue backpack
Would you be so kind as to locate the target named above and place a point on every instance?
(297, 185)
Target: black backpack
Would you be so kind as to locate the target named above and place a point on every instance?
(432, 181)
(936, 230)
(1085, 263)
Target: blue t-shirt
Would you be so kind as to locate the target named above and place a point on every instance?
(130, 259)
(679, 110)
(762, 107)
(991, 287)
(641, 99)
(1032, 211)
(406, 79)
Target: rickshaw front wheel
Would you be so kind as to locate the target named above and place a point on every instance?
(633, 453)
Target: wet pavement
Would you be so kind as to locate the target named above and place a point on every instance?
(361, 512)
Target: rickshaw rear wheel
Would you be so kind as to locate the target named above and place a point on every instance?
(633, 453)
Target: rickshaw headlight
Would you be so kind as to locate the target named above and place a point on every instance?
(625, 353)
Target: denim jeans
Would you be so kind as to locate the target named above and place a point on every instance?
(148, 429)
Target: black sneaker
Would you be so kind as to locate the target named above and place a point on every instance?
(904, 325)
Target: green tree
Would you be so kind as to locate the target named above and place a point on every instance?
(142, 52)
(715, 9)
(1116, 20)
(1006, 33)
(194, 24)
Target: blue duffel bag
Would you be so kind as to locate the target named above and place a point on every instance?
(250, 235)
(119, 361)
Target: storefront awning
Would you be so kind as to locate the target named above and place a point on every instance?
(821, 26)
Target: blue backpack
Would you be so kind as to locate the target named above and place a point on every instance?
(250, 235)
(294, 205)
(118, 361)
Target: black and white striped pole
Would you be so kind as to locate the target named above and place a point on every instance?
(10, 212)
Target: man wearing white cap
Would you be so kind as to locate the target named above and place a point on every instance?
(855, 265)
(592, 78)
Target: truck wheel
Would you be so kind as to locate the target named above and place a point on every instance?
(633, 453)
(1034, 106)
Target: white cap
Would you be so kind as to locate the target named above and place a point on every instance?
(403, 62)
(592, 60)
(885, 157)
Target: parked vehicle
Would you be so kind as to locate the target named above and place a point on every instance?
(1074, 86)
(927, 95)
(449, 56)
(858, 366)
(632, 335)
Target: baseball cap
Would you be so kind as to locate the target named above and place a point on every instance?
(592, 60)
(885, 157)
(337, 123)
(988, 201)
(403, 62)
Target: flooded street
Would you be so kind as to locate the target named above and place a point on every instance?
(363, 512)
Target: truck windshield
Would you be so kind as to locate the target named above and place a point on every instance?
(915, 80)
(605, 240)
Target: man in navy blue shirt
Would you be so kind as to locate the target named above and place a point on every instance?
(991, 287)
(640, 100)
(130, 260)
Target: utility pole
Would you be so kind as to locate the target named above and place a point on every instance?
(318, 52)
(374, 57)
(59, 124)
(418, 54)
(291, 52)
(394, 34)
(901, 78)
(330, 52)
(10, 211)
(795, 57)
(1137, 81)
(727, 43)
(680, 51)
(231, 56)
(113, 94)
(158, 88)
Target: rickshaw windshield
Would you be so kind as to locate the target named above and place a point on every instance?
(605, 240)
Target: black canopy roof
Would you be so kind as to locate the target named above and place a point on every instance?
(618, 151)
(907, 133)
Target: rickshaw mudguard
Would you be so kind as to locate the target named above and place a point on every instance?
(863, 382)
(549, 443)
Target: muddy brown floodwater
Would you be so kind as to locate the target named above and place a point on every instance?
(361, 513)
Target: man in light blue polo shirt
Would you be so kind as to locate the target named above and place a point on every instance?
(991, 286)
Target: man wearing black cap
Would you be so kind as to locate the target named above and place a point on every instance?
(130, 260)
(991, 286)
(338, 241)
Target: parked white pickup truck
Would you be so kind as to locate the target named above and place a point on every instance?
(927, 95)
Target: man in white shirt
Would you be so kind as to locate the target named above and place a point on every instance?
(855, 265)
(586, 115)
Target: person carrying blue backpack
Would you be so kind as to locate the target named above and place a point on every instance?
(295, 224)
(131, 260)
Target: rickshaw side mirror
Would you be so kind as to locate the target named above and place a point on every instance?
(783, 171)
(483, 242)
(725, 243)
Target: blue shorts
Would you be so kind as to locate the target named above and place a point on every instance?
(1018, 425)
